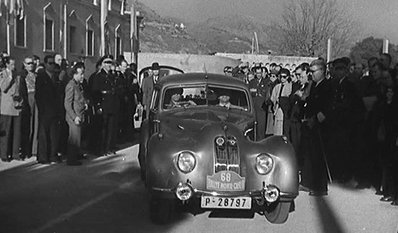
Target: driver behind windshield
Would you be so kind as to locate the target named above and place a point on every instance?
(176, 100)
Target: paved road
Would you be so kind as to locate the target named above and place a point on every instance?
(106, 195)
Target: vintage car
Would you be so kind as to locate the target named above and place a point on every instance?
(199, 146)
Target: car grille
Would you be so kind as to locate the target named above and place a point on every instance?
(227, 155)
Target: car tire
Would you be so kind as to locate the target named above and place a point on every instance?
(161, 210)
(278, 212)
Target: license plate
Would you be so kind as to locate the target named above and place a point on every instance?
(225, 181)
(226, 202)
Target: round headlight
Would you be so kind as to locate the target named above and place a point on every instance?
(232, 142)
(186, 162)
(264, 164)
(220, 141)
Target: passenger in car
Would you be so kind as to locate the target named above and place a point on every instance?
(224, 102)
(176, 101)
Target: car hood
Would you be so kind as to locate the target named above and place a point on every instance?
(197, 121)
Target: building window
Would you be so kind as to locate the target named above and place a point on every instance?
(49, 35)
(73, 39)
(90, 43)
(20, 32)
(118, 46)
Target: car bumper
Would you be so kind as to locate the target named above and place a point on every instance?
(255, 194)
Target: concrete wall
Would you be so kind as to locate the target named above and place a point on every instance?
(209, 63)
(267, 58)
(186, 62)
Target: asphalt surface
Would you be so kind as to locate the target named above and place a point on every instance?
(105, 194)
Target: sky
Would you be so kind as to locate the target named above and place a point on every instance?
(378, 18)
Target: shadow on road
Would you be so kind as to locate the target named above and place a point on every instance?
(104, 195)
(329, 221)
(231, 214)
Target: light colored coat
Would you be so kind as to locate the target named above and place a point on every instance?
(7, 103)
(286, 91)
(75, 103)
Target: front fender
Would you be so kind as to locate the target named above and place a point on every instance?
(285, 173)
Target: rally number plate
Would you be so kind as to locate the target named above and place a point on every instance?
(226, 202)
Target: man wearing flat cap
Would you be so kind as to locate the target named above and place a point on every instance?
(106, 103)
(147, 87)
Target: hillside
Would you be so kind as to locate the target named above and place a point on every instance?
(222, 34)
(230, 34)
(164, 35)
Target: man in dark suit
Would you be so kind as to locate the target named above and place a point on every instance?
(75, 105)
(50, 112)
(108, 104)
(259, 89)
(316, 117)
(127, 101)
(346, 112)
(147, 87)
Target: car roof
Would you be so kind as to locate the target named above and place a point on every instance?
(200, 78)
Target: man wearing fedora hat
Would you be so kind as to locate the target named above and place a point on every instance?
(147, 86)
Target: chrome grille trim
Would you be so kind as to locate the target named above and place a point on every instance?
(227, 156)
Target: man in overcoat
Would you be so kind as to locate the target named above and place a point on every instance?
(75, 106)
(315, 126)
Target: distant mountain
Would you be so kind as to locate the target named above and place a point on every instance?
(230, 33)
(222, 34)
(165, 35)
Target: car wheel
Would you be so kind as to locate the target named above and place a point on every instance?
(278, 212)
(161, 210)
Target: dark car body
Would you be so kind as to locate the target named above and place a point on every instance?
(201, 152)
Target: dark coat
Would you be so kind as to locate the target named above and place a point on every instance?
(296, 103)
(23, 92)
(104, 92)
(319, 100)
(347, 107)
(48, 96)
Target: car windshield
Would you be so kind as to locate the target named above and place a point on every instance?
(194, 96)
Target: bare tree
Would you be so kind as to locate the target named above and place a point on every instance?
(306, 26)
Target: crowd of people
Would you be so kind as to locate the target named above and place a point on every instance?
(50, 110)
(341, 118)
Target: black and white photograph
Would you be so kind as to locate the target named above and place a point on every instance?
(174, 116)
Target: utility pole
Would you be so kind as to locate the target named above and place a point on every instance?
(104, 13)
(133, 34)
(256, 41)
(139, 18)
(329, 51)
